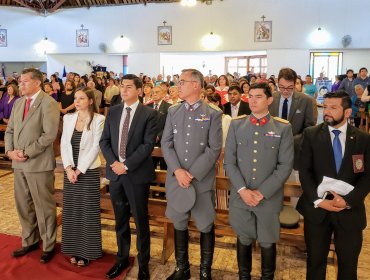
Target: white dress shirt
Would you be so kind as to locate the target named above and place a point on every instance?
(234, 110)
(282, 102)
(342, 138)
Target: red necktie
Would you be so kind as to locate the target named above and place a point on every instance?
(27, 107)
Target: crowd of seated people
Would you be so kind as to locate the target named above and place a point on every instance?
(79, 98)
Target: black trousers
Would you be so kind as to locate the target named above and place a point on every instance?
(130, 198)
(347, 242)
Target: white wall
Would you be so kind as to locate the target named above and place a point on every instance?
(293, 21)
(79, 62)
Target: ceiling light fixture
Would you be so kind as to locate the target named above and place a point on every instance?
(188, 3)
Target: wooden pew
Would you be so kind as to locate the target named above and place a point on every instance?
(157, 207)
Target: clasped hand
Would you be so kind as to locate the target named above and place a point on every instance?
(183, 177)
(336, 205)
(72, 175)
(17, 155)
(251, 197)
(118, 168)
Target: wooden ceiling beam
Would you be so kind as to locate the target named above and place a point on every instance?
(57, 5)
(28, 5)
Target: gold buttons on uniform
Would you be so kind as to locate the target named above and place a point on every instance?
(253, 178)
(255, 142)
(254, 160)
(254, 169)
(256, 133)
(255, 151)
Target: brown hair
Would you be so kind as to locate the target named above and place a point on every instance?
(15, 89)
(92, 108)
(287, 74)
(35, 74)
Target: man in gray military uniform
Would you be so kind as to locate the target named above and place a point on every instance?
(258, 159)
(191, 144)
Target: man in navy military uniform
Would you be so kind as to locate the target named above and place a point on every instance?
(258, 159)
(191, 144)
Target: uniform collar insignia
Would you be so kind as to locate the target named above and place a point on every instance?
(259, 122)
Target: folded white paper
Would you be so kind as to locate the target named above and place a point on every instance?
(330, 184)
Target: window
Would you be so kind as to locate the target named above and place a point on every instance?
(329, 64)
(242, 64)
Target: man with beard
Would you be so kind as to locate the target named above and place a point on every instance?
(337, 150)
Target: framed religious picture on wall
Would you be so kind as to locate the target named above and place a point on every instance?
(263, 31)
(3, 38)
(82, 37)
(164, 35)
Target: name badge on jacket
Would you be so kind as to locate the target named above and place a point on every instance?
(358, 163)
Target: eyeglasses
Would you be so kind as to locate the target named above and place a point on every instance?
(182, 82)
(281, 88)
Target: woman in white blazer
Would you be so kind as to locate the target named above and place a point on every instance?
(81, 231)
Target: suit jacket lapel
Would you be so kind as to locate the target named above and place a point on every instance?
(275, 105)
(326, 140)
(293, 106)
(32, 109)
(350, 143)
(135, 120)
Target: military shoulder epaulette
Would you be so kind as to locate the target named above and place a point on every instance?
(174, 105)
(214, 106)
(240, 117)
(281, 120)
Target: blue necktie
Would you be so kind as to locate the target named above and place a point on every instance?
(337, 147)
(284, 114)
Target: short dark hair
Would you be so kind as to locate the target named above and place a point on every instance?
(308, 76)
(287, 74)
(215, 97)
(362, 68)
(137, 81)
(235, 87)
(35, 74)
(264, 86)
(211, 87)
(346, 99)
(349, 70)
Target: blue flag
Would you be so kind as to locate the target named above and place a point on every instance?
(64, 72)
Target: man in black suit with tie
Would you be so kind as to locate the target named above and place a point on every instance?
(161, 107)
(127, 142)
(337, 150)
(293, 106)
(236, 107)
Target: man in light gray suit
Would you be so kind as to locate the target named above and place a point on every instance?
(293, 106)
(258, 160)
(191, 144)
(29, 139)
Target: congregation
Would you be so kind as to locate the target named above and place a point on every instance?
(265, 126)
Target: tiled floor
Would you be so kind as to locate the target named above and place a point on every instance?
(291, 262)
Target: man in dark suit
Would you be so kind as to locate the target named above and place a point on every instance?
(338, 150)
(293, 106)
(161, 107)
(236, 107)
(127, 142)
